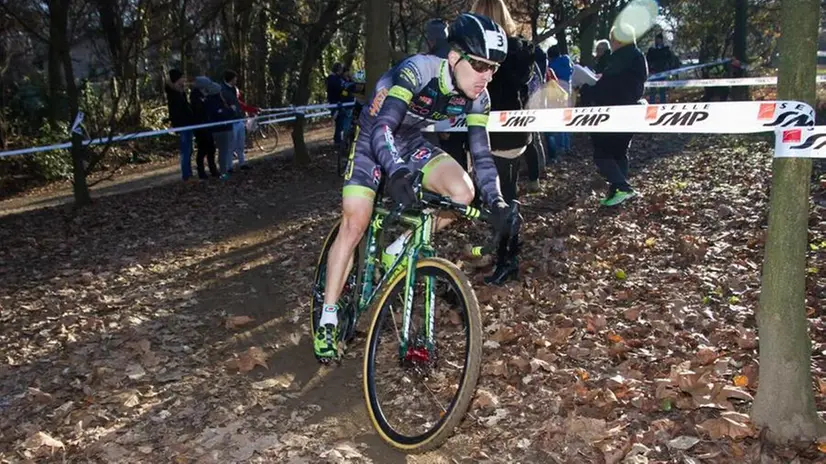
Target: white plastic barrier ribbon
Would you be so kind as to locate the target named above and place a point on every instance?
(673, 72)
(728, 82)
(263, 119)
(700, 118)
(801, 142)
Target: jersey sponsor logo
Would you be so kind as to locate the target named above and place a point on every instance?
(376, 175)
(676, 115)
(585, 117)
(453, 109)
(422, 154)
(425, 100)
(458, 121)
(390, 144)
(461, 101)
(418, 110)
(410, 73)
(378, 101)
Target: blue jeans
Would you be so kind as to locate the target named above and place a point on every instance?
(185, 142)
(657, 92)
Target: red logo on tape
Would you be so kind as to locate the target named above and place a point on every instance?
(766, 111)
(650, 113)
(792, 136)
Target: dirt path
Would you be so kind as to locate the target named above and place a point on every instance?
(118, 340)
(157, 175)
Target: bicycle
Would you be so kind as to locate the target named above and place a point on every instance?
(348, 143)
(257, 133)
(390, 294)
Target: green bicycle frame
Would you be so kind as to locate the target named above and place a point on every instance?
(419, 245)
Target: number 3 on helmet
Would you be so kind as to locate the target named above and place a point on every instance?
(480, 36)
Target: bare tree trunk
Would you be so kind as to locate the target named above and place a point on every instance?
(259, 59)
(377, 44)
(58, 26)
(353, 42)
(740, 93)
(55, 74)
(785, 401)
(319, 37)
(587, 34)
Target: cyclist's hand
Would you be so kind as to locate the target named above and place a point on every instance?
(499, 213)
(400, 187)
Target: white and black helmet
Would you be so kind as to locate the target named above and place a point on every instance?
(479, 35)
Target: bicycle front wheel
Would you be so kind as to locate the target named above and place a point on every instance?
(420, 373)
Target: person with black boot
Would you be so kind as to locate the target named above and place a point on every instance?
(508, 91)
(198, 96)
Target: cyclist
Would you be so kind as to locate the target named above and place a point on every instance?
(416, 92)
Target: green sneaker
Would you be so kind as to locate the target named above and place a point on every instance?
(618, 197)
(325, 346)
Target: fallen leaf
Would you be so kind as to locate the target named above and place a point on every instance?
(632, 314)
(247, 360)
(683, 443)
(559, 336)
(485, 399)
(742, 381)
(730, 424)
(40, 439)
(237, 321)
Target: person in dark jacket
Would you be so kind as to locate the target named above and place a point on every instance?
(180, 115)
(622, 83)
(508, 91)
(202, 109)
(335, 86)
(660, 59)
(603, 54)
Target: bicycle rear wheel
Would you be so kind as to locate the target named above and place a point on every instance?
(418, 390)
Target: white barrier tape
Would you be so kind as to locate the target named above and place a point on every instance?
(801, 142)
(727, 82)
(287, 109)
(699, 118)
(267, 119)
(674, 72)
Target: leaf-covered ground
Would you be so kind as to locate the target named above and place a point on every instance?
(170, 324)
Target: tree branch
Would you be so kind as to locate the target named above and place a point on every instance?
(584, 13)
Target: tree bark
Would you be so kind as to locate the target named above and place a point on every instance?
(377, 44)
(319, 37)
(55, 74)
(740, 93)
(353, 42)
(588, 32)
(785, 401)
(58, 26)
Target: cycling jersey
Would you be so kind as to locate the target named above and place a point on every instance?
(413, 94)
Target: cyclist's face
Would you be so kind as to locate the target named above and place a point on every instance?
(472, 73)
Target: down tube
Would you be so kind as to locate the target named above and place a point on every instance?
(369, 266)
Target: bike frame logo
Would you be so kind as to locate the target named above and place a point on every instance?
(676, 115)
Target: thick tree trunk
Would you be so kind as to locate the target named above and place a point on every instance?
(353, 42)
(785, 401)
(588, 32)
(55, 75)
(377, 44)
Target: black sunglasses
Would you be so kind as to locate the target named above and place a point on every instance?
(479, 65)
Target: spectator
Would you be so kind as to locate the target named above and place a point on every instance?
(230, 95)
(202, 90)
(660, 59)
(348, 95)
(335, 85)
(563, 68)
(241, 136)
(508, 91)
(622, 83)
(180, 115)
(603, 53)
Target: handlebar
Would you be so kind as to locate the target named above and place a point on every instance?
(434, 200)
